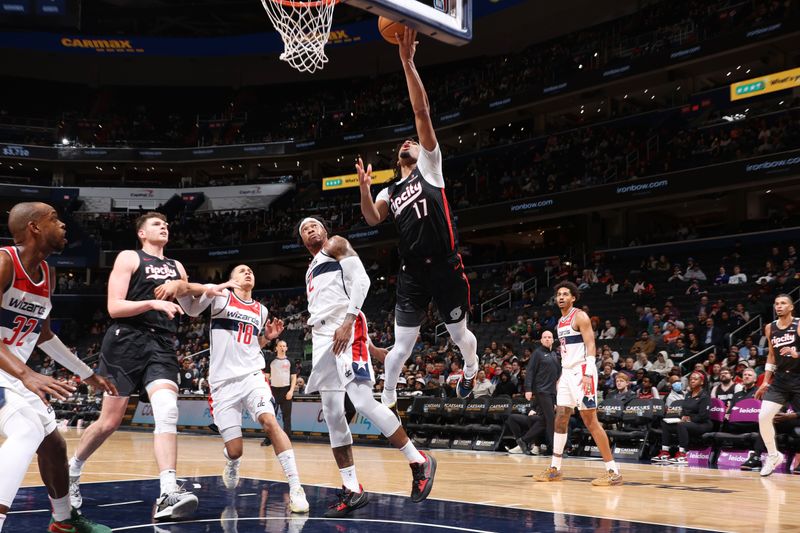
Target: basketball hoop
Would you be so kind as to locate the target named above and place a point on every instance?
(304, 28)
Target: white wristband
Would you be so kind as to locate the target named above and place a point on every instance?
(769, 367)
(63, 356)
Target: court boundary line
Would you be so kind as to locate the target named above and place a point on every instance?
(551, 511)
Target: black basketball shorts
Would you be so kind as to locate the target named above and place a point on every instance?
(442, 280)
(784, 389)
(132, 358)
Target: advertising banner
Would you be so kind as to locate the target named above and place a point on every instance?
(778, 81)
(351, 180)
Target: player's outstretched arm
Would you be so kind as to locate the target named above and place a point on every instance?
(416, 91)
(374, 212)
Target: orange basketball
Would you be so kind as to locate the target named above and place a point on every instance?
(389, 28)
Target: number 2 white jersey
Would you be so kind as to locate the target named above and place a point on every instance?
(327, 297)
(25, 306)
(234, 348)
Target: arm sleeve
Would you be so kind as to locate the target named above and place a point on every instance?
(430, 166)
(356, 281)
(194, 306)
(62, 355)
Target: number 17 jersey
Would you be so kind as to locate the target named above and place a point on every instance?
(420, 210)
(235, 326)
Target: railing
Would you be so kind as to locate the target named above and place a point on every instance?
(501, 300)
(702, 352)
(732, 334)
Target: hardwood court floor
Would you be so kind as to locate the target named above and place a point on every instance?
(679, 496)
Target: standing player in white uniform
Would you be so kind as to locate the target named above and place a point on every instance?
(428, 240)
(336, 285)
(239, 329)
(26, 420)
(577, 386)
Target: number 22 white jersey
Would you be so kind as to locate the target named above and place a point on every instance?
(234, 348)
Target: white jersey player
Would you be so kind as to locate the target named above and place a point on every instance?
(238, 330)
(577, 386)
(26, 420)
(336, 286)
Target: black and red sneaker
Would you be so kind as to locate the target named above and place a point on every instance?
(423, 478)
(348, 502)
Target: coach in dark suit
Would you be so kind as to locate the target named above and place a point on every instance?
(544, 369)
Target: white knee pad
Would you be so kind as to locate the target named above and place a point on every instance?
(24, 433)
(228, 434)
(165, 410)
(380, 415)
(333, 412)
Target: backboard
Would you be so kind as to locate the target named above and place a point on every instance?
(449, 21)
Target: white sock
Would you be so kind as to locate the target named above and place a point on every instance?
(612, 465)
(681, 450)
(76, 466)
(665, 448)
(62, 509)
(559, 443)
(411, 453)
(286, 458)
(349, 479)
(169, 482)
(2, 521)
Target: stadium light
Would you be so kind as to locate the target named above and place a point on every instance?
(64, 141)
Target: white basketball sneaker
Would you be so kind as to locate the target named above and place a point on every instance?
(389, 398)
(230, 475)
(176, 504)
(771, 463)
(297, 500)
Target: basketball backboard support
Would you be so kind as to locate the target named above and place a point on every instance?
(449, 21)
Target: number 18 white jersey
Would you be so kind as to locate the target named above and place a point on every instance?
(234, 348)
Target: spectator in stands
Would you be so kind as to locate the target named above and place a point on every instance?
(712, 335)
(622, 391)
(644, 345)
(677, 274)
(300, 386)
(726, 388)
(722, 277)
(671, 332)
(624, 331)
(609, 331)
(482, 387)
(642, 362)
(606, 381)
(694, 272)
(693, 422)
(543, 371)
(526, 429)
(646, 389)
(747, 390)
(504, 385)
(643, 291)
(744, 351)
(663, 364)
(188, 376)
(679, 351)
(767, 274)
(675, 390)
(738, 277)
(732, 359)
(628, 369)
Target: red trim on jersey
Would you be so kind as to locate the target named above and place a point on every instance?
(22, 281)
(565, 321)
(466, 280)
(449, 223)
(234, 301)
(360, 350)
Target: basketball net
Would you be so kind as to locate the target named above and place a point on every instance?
(304, 28)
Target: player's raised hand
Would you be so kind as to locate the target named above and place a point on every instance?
(42, 385)
(273, 328)
(169, 308)
(219, 290)
(364, 176)
(101, 383)
(408, 44)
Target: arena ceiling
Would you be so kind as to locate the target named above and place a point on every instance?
(508, 30)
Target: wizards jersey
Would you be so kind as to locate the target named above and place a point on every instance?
(25, 306)
(235, 327)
